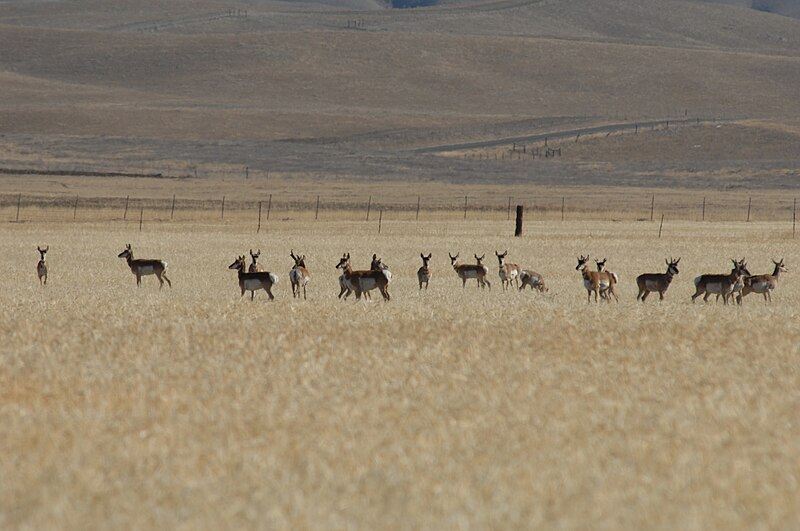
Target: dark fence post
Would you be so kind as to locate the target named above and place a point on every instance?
(75, 208)
(172, 212)
(141, 217)
(418, 200)
(316, 213)
(518, 226)
(704, 210)
(380, 220)
(19, 202)
(749, 204)
(465, 207)
(125, 215)
(794, 217)
(222, 213)
(369, 205)
(269, 206)
(563, 204)
(259, 218)
(661, 226)
(652, 206)
(508, 212)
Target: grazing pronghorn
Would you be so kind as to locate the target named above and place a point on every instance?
(659, 282)
(595, 281)
(532, 279)
(720, 284)
(601, 268)
(477, 271)
(364, 281)
(763, 284)
(299, 276)
(254, 266)
(253, 281)
(424, 272)
(508, 272)
(41, 267)
(143, 266)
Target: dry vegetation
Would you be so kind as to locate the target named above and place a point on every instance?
(451, 408)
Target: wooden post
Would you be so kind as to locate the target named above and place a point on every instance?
(141, 217)
(269, 206)
(465, 207)
(749, 204)
(418, 200)
(518, 226)
(380, 220)
(259, 218)
(794, 217)
(563, 203)
(369, 205)
(125, 215)
(508, 212)
(75, 209)
(316, 214)
(704, 210)
(19, 202)
(172, 212)
(222, 213)
(247, 172)
(661, 226)
(652, 206)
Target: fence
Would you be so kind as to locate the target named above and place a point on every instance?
(612, 206)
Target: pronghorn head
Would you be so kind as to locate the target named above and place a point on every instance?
(127, 253)
(453, 259)
(377, 264)
(255, 255)
(582, 260)
(778, 265)
(501, 257)
(299, 261)
(601, 264)
(43, 252)
(238, 264)
(479, 259)
(742, 267)
(344, 261)
(672, 266)
(425, 259)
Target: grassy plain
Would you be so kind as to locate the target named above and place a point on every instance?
(193, 408)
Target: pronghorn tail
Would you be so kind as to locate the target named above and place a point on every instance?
(163, 264)
(273, 277)
(387, 274)
(616, 278)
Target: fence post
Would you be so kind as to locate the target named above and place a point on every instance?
(749, 204)
(652, 206)
(269, 206)
(380, 220)
(508, 212)
(19, 201)
(125, 215)
(661, 226)
(369, 205)
(465, 207)
(704, 210)
(75, 209)
(222, 213)
(141, 216)
(247, 172)
(518, 225)
(794, 217)
(259, 218)
(316, 213)
(418, 200)
(172, 212)
(563, 204)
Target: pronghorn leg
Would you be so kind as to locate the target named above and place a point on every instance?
(252, 295)
(304, 292)
(705, 297)
(613, 291)
(488, 284)
(643, 293)
(138, 280)
(268, 289)
(463, 283)
(385, 293)
(661, 295)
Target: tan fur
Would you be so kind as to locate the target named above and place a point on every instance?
(592, 280)
(41, 267)
(721, 284)
(659, 282)
(253, 281)
(299, 276)
(465, 271)
(508, 272)
(763, 284)
(145, 266)
(360, 280)
(424, 272)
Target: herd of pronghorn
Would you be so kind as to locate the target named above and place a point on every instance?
(601, 283)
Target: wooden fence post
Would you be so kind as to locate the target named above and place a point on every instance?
(369, 205)
(19, 202)
(75, 209)
(794, 217)
(652, 206)
(661, 226)
(508, 212)
(141, 217)
(259, 218)
(418, 201)
(465, 207)
(172, 212)
(749, 204)
(222, 213)
(563, 204)
(269, 206)
(380, 220)
(704, 210)
(316, 213)
(125, 215)
(518, 225)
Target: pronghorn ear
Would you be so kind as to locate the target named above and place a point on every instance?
(421, 256)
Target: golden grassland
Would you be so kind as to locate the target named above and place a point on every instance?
(193, 408)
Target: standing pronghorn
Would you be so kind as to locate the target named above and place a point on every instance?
(253, 281)
(254, 266)
(142, 266)
(298, 276)
(532, 279)
(508, 272)
(720, 284)
(424, 272)
(601, 268)
(346, 288)
(595, 281)
(477, 271)
(41, 267)
(364, 281)
(659, 282)
(763, 284)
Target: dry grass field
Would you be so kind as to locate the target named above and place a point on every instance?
(194, 408)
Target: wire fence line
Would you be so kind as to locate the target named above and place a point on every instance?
(719, 206)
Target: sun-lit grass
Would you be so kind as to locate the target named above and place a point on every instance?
(195, 408)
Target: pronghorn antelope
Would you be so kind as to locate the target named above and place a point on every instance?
(254, 266)
(424, 272)
(720, 284)
(601, 268)
(41, 267)
(508, 272)
(659, 282)
(532, 279)
(253, 281)
(298, 276)
(477, 271)
(141, 267)
(364, 281)
(763, 284)
(346, 288)
(739, 285)
(595, 281)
